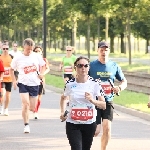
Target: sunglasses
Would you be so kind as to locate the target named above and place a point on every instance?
(37, 51)
(5, 48)
(69, 50)
(82, 65)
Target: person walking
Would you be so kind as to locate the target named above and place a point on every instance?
(39, 51)
(2, 70)
(28, 64)
(66, 64)
(106, 70)
(82, 90)
(6, 83)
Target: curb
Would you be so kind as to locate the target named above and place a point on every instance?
(120, 108)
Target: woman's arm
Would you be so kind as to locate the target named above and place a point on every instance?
(100, 103)
(63, 103)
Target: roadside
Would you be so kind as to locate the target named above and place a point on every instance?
(123, 109)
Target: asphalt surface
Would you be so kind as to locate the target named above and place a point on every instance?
(48, 132)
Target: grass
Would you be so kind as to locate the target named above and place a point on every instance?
(128, 99)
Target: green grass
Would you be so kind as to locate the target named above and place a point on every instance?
(128, 99)
(55, 81)
(135, 67)
(133, 100)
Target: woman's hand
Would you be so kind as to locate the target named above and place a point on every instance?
(62, 117)
(88, 96)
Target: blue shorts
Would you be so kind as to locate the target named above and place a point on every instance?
(32, 90)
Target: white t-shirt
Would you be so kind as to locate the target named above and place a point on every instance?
(27, 66)
(81, 111)
(14, 53)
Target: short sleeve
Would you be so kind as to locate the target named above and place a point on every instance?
(98, 88)
(66, 90)
(1, 66)
(13, 63)
(41, 61)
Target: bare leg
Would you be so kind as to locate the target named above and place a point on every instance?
(25, 106)
(33, 102)
(3, 95)
(106, 133)
(7, 100)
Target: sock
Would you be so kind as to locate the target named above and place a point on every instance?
(37, 106)
(26, 124)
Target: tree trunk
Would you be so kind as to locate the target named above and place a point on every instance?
(129, 37)
(106, 27)
(112, 44)
(88, 36)
(122, 42)
(147, 44)
(98, 29)
(74, 33)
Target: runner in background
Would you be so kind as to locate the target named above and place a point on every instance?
(27, 64)
(6, 84)
(39, 50)
(14, 52)
(2, 70)
(67, 64)
(105, 69)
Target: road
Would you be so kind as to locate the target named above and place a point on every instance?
(48, 133)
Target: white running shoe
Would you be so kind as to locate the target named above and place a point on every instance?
(36, 115)
(6, 112)
(1, 110)
(27, 129)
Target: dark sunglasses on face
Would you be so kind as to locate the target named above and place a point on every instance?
(5, 48)
(69, 50)
(82, 65)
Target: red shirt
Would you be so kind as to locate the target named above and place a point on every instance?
(1, 66)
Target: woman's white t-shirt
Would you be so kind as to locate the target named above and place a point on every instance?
(27, 66)
(81, 111)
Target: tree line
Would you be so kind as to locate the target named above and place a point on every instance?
(70, 19)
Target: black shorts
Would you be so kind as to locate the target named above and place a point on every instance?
(68, 76)
(40, 89)
(7, 86)
(105, 114)
(32, 90)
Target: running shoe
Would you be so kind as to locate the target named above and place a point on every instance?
(36, 115)
(1, 110)
(27, 129)
(6, 112)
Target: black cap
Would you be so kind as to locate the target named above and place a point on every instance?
(103, 44)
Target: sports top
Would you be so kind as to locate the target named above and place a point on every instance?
(67, 64)
(110, 70)
(27, 66)
(81, 111)
(7, 59)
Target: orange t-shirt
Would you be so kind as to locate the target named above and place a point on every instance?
(6, 62)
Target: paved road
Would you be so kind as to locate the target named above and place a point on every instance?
(48, 133)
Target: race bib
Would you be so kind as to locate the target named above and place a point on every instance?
(106, 87)
(29, 69)
(68, 69)
(6, 71)
(81, 113)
